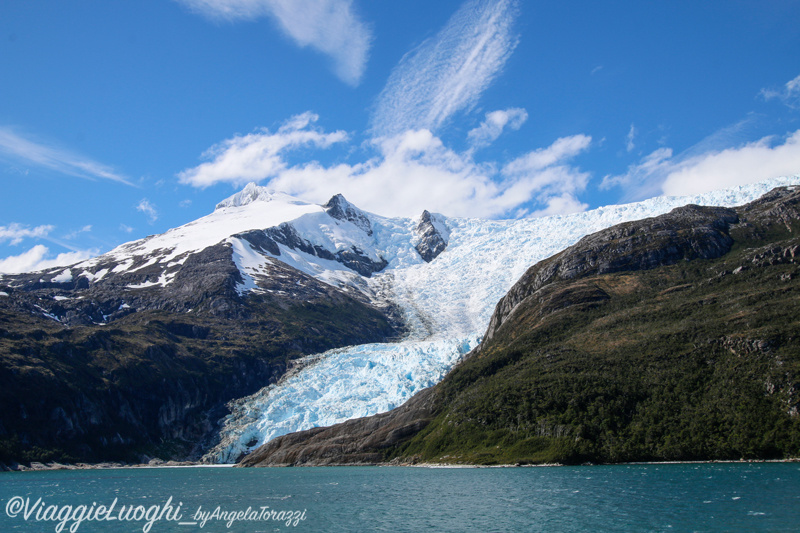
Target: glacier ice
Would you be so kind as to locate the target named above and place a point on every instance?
(447, 305)
(340, 384)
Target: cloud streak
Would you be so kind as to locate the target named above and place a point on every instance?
(449, 72)
(328, 26)
(26, 151)
(789, 94)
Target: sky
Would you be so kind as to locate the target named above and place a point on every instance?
(123, 119)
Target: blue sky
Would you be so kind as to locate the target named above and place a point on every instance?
(123, 119)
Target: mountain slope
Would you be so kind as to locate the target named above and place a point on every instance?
(136, 353)
(671, 338)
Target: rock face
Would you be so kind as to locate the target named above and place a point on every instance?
(670, 338)
(433, 235)
(340, 209)
(353, 258)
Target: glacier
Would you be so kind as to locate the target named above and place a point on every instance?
(446, 304)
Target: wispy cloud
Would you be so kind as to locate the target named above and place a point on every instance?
(629, 139)
(148, 209)
(694, 171)
(449, 72)
(26, 151)
(74, 234)
(789, 94)
(329, 26)
(258, 156)
(40, 258)
(16, 233)
(496, 121)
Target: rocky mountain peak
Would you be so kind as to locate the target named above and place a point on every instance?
(339, 208)
(433, 234)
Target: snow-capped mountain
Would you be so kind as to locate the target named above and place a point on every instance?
(259, 240)
(435, 278)
(447, 304)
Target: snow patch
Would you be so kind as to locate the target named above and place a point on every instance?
(94, 276)
(63, 277)
(250, 263)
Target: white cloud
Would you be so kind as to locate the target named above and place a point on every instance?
(643, 178)
(491, 128)
(126, 228)
(629, 144)
(753, 162)
(562, 149)
(415, 171)
(695, 172)
(29, 152)
(148, 209)
(39, 258)
(449, 72)
(258, 156)
(789, 94)
(15, 233)
(329, 26)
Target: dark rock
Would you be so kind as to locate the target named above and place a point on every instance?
(431, 241)
(353, 258)
(340, 209)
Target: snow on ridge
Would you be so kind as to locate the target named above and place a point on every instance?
(253, 193)
(211, 229)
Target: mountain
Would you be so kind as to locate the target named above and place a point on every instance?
(268, 316)
(668, 338)
(447, 305)
(136, 352)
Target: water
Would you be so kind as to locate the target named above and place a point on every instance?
(624, 498)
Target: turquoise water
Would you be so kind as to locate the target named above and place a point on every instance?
(674, 497)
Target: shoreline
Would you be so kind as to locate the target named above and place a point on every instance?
(109, 465)
(45, 467)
